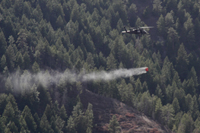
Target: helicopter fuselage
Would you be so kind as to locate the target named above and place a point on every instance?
(138, 31)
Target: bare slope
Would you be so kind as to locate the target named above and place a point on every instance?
(130, 120)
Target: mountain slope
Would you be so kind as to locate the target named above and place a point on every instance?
(129, 118)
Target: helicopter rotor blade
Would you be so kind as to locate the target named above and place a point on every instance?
(147, 27)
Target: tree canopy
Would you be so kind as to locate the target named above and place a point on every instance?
(85, 36)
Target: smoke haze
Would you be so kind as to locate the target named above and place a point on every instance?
(22, 82)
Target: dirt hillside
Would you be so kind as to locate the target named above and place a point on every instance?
(130, 120)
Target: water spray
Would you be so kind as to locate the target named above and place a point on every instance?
(26, 80)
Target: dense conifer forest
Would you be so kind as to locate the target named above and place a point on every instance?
(85, 36)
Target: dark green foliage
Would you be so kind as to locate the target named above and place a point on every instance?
(26, 114)
(158, 109)
(172, 42)
(167, 114)
(132, 14)
(19, 60)
(80, 121)
(63, 114)
(2, 125)
(85, 36)
(161, 25)
(10, 57)
(45, 126)
(146, 103)
(171, 5)
(182, 62)
(3, 43)
(89, 118)
(35, 67)
(175, 105)
(111, 62)
(114, 125)
(186, 124)
(157, 8)
(126, 92)
(3, 62)
(27, 60)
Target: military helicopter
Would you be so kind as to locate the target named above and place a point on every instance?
(139, 31)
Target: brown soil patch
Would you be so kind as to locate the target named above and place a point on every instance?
(130, 120)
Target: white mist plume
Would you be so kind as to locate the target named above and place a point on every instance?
(111, 75)
(24, 82)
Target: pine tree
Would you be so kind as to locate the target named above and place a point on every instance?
(167, 114)
(172, 42)
(63, 113)
(138, 86)
(35, 67)
(180, 95)
(158, 109)
(159, 92)
(171, 5)
(177, 80)
(22, 41)
(146, 104)
(63, 116)
(175, 105)
(13, 127)
(48, 112)
(19, 60)
(71, 125)
(27, 9)
(167, 72)
(57, 123)
(111, 62)
(45, 126)
(7, 130)
(195, 111)
(192, 75)
(89, 118)
(169, 20)
(197, 125)
(37, 121)
(3, 43)
(8, 85)
(161, 25)
(90, 61)
(196, 29)
(11, 98)
(132, 12)
(182, 62)
(37, 13)
(188, 103)
(60, 22)
(3, 62)
(23, 125)
(157, 8)
(26, 113)
(186, 124)
(10, 57)
(27, 60)
(9, 113)
(169, 94)
(2, 125)
(34, 96)
(6, 3)
(126, 92)
(114, 126)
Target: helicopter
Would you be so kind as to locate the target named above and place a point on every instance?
(138, 31)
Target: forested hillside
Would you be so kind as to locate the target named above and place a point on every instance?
(46, 37)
